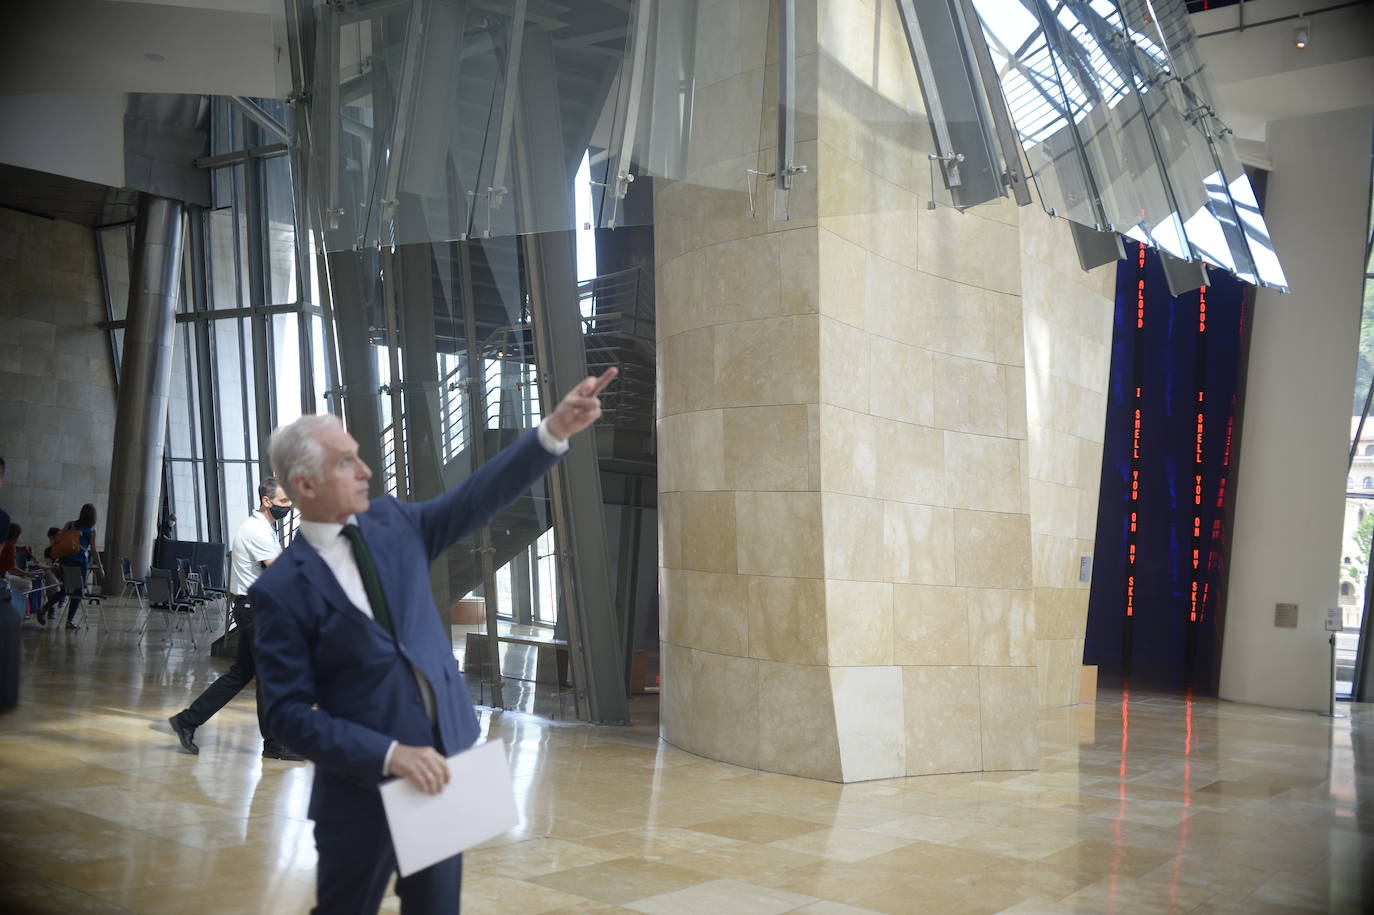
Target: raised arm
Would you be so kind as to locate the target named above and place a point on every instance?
(448, 518)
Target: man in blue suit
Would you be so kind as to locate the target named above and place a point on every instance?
(353, 661)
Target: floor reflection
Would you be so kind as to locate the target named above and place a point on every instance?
(1144, 803)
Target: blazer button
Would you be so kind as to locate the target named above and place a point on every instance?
(417, 698)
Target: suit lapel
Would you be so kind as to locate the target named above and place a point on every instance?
(314, 569)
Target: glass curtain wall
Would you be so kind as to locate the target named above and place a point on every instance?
(444, 212)
(1354, 591)
(249, 342)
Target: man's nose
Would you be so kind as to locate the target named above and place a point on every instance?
(364, 471)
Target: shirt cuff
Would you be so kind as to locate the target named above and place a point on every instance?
(386, 762)
(552, 445)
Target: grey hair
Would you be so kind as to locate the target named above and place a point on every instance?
(294, 450)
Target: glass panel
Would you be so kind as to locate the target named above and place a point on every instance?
(181, 406)
(223, 260)
(286, 367)
(317, 344)
(281, 230)
(229, 389)
(186, 504)
(247, 294)
(237, 501)
(250, 397)
(1111, 102)
(441, 121)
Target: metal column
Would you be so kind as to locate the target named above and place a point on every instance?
(145, 379)
(545, 183)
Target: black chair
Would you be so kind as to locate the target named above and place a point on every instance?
(138, 586)
(74, 585)
(162, 597)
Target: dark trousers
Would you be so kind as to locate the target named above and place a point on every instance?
(218, 694)
(357, 861)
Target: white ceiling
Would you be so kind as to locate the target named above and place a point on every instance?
(206, 47)
(1260, 76)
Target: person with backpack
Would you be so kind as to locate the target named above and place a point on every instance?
(76, 546)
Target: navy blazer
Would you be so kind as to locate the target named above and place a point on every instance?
(336, 686)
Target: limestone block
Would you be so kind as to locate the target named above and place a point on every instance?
(969, 396)
(1053, 508)
(983, 472)
(853, 538)
(1056, 561)
(951, 245)
(711, 704)
(902, 386)
(798, 263)
(898, 301)
(1001, 627)
(771, 361)
(869, 721)
(711, 612)
(918, 544)
(1014, 379)
(911, 463)
(1009, 705)
(962, 320)
(993, 550)
(767, 448)
(844, 356)
(943, 720)
(843, 268)
(1060, 613)
(859, 622)
(777, 534)
(687, 371)
(40, 365)
(849, 452)
(46, 474)
(1058, 671)
(700, 462)
(930, 625)
(1008, 328)
(796, 718)
(708, 531)
(787, 619)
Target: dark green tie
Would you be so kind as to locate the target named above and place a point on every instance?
(372, 582)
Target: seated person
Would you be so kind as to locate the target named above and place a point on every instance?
(52, 577)
(9, 564)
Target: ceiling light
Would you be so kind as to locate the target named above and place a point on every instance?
(1301, 32)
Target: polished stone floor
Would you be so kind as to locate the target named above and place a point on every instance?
(1146, 803)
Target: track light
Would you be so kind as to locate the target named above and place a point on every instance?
(1301, 32)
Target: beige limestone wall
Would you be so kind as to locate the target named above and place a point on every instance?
(1068, 322)
(860, 520)
(58, 403)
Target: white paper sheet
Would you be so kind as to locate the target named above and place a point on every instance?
(477, 804)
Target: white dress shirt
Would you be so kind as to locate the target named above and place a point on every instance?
(337, 552)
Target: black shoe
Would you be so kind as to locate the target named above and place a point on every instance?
(277, 751)
(185, 735)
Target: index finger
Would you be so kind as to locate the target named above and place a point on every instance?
(606, 378)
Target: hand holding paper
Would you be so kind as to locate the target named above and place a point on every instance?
(477, 804)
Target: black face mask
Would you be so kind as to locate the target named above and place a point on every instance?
(279, 511)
